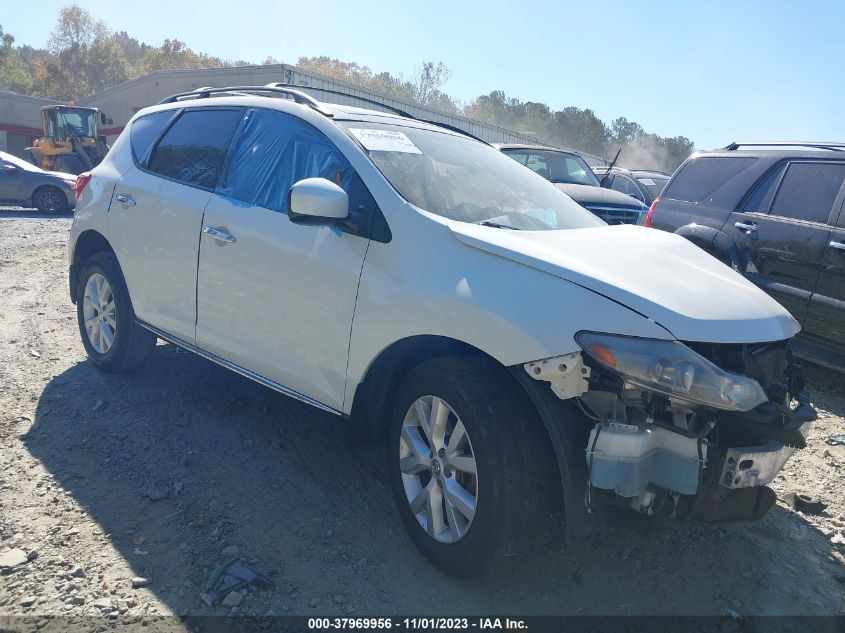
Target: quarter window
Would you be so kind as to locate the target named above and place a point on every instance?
(145, 130)
(808, 190)
(700, 177)
(194, 148)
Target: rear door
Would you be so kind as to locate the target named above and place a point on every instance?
(782, 228)
(274, 297)
(155, 216)
(826, 313)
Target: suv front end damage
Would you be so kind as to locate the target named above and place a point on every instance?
(697, 430)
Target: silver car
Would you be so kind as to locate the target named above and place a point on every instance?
(25, 185)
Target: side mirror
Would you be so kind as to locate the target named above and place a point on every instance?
(105, 120)
(317, 201)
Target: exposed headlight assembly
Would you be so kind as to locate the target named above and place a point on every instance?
(673, 369)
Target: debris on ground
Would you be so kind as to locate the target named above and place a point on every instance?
(834, 440)
(804, 502)
(13, 558)
(227, 579)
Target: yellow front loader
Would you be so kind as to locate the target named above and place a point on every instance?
(71, 142)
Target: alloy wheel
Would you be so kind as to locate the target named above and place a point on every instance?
(98, 311)
(438, 469)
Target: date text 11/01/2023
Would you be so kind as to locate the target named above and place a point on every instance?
(419, 624)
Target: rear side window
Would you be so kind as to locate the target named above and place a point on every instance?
(192, 151)
(808, 190)
(274, 150)
(702, 176)
(145, 130)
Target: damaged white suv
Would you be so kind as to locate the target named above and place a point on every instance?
(522, 358)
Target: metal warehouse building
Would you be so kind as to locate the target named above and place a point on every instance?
(20, 121)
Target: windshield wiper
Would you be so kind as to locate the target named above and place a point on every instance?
(497, 225)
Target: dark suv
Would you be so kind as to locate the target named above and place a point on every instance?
(774, 212)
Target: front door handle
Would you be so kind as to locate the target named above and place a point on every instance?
(840, 246)
(746, 226)
(220, 236)
(124, 199)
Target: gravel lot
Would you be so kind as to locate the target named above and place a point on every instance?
(161, 474)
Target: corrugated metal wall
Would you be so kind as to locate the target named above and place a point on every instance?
(122, 101)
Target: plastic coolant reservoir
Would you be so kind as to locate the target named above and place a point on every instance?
(627, 458)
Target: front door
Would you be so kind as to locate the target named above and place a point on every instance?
(11, 183)
(274, 297)
(156, 211)
(782, 229)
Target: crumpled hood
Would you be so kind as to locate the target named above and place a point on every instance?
(660, 275)
(586, 195)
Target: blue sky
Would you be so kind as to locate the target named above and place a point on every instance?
(713, 71)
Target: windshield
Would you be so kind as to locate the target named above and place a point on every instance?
(67, 122)
(18, 162)
(465, 180)
(654, 184)
(559, 167)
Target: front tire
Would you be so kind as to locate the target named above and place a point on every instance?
(110, 334)
(462, 442)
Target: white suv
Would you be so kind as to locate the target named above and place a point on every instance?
(521, 357)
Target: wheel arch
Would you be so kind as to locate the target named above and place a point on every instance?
(711, 240)
(374, 397)
(41, 188)
(88, 244)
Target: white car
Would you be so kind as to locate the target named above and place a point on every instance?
(521, 357)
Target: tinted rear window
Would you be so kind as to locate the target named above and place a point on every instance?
(145, 130)
(701, 177)
(194, 148)
(808, 190)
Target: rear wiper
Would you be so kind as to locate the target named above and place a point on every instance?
(497, 225)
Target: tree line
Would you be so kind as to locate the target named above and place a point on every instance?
(83, 56)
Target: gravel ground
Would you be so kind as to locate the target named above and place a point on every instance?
(122, 492)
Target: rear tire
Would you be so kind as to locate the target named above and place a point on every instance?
(50, 200)
(110, 333)
(506, 501)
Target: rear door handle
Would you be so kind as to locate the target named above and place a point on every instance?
(220, 236)
(840, 246)
(746, 226)
(124, 199)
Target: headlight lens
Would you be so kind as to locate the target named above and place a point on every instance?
(672, 368)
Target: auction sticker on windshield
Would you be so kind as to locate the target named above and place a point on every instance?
(385, 141)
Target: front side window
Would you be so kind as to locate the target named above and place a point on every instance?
(192, 151)
(625, 185)
(465, 180)
(808, 190)
(274, 150)
(557, 167)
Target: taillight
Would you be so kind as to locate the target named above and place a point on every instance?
(81, 182)
(650, 213)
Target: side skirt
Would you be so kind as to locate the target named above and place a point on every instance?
(239, 370)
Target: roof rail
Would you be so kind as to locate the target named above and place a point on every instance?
(340, 93)
(837, 147)
(293, 92)
(296, 95)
